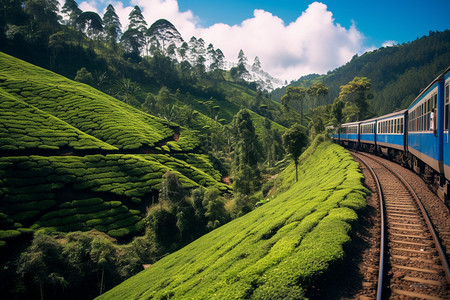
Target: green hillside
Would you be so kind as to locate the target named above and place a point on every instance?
(275, 251)
(74, 158)
(83, 107)
(26, 127)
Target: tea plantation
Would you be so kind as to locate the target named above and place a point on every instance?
(273, 252)
(73, 158)
(23, 126)
(87, 109)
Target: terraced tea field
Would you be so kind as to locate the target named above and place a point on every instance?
(274, 252)
(73, 158)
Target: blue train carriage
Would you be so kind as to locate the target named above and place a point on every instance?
(367, 135)
(391, 134)
(445, 190)
(349, 134)
(426, 139)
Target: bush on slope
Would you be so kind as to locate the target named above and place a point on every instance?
(274, 251)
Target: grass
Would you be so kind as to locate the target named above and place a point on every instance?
(275, 251)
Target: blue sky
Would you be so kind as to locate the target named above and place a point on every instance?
(381, 20)
(292, 38)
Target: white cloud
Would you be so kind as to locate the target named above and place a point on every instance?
(89, 6)
(389, 43)
(314, 43)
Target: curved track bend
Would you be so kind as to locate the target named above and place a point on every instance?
(413, 264)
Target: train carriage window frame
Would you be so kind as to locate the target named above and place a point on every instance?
(447, 105)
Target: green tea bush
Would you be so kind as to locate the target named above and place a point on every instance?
(31, 186)
(23, 126)
(277, 250)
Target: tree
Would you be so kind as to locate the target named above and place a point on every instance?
(294, 97)
(56, 43)
(317, 91)
(357, 92)
(149, 104)
(256, 64)
(182, 50)
(10, 11)
(216, 213)
(44, 12)
(247, 152)
(71, 10)
(220, 58)
(102, 254)
(43, 262)
(336, 109)
(242, 59)
(125, 90)
(171, 189)
(137, 20)
(212, 57)
(84, 76)
(294, 140)
(112, 24)
(91, 23)
(132, 41)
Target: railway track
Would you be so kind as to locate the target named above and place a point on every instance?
(412, 263)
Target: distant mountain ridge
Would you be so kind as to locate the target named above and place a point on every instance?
(398, 73)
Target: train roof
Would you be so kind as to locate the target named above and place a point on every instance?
(395, 113)
(369, 120)
(350, 124)
(441, 77)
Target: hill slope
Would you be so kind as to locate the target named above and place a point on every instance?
(275, 251)
(74, 158)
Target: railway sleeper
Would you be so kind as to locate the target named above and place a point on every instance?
(401, 292)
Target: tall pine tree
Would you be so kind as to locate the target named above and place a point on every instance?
(137, 20)
(112, 23)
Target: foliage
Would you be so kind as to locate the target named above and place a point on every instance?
(277, 249)
(356, 92)
(246, 153)
(294, 140)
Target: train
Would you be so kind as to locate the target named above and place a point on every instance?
(417, 137)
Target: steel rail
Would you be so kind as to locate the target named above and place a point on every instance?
(381, 263)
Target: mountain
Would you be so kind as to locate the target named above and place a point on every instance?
(398, 73)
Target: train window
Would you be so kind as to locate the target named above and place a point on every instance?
(447, 91)
(447, 104)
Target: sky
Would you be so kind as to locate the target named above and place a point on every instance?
(292, 38)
